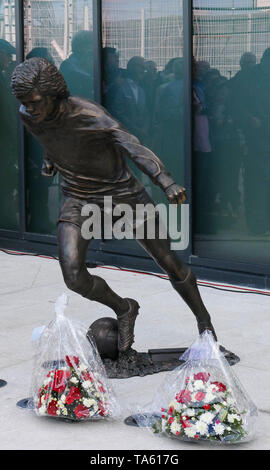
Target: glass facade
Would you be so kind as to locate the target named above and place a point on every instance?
(142, 78)
(138, 55)
(61, 32)
(9, 193)
(231, 105)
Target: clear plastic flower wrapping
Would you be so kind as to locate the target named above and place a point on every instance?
(69, 379)
(201, 400)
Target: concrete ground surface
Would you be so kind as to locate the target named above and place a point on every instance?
(30, 286)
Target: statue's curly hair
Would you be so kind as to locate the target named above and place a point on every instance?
(38, 73)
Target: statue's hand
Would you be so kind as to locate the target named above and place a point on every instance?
(176, 194)
(48, 169)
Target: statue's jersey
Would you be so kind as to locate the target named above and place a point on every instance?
(89, 148)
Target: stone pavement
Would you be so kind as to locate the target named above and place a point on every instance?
(28, 289)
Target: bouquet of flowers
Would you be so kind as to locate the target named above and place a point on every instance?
(69, 380)
(72, 392)
(203, 410)
(201, 400)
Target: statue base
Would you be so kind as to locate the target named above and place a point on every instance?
(133, 363)
(104, 332)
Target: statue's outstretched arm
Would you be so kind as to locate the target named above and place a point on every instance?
(150, 164)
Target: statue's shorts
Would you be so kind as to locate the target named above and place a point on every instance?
(77, 211)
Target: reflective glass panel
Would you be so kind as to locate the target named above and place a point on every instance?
(142, 78)
(62, 32)
(9, 195)
(231, 107)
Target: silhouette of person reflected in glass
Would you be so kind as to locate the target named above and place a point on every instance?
(78, 67)
(150, 84)
(47, 189)
(129, 103)
(112, 76)
(254, 98)
(40, 52)
(169, 116)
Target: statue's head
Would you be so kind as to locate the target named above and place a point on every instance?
(39, 86)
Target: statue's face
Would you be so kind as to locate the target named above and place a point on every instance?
(38, 106)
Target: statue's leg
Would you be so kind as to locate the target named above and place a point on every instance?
(72, 249)
(182, 278)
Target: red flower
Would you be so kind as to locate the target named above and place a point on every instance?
(202, 376)
(74, 394)
(170, 420)
(170, 410)
(72, 361)
(49, 385)
(59, 380)
(101, 409)
(52, 408)
(101, 389)
(163, 416)
(220, 385)
(200, 396)
(184, 396)
(207, 407)
(81, 411)
(185, 423)
(87, 376)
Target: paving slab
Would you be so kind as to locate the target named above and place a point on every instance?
(28, 289)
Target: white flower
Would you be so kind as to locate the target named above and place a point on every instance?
(201, 427)
(219, 428)
(63, 398)
(190, 412)
(64, 411)
(217, 408)
(207, 417)
(86, 384)
(233, 417)
(82, 367)
(177, 406)
(175, 427)
(209, 397)
(88, 402)
(42, 410)
(198, 385)
(74, 380)
(190, 432)
(230, 401)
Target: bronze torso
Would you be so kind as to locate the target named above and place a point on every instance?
(89, 148)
